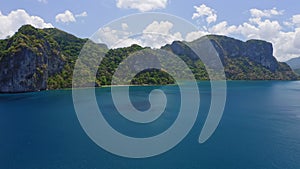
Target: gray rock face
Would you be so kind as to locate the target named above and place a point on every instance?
(258, 51)
(179, 48)
(261, 52)
(27, 70)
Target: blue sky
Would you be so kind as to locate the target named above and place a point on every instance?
(270, 20)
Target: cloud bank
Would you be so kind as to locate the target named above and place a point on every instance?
(142, 5)
(15, 19)
(68, 16)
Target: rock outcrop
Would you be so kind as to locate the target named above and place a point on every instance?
(29, 61)
(259, 51)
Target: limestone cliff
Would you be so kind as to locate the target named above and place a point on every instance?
(29, 59)
(250, 60)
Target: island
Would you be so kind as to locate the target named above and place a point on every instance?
(41, 59)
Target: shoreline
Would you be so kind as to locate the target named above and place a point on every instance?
(143, 85)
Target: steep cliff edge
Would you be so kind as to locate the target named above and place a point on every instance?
(27, 60)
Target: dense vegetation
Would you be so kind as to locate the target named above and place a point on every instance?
(66, 48)
(70, 47)
(243, 68)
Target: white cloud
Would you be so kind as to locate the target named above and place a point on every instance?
(68, 16)
(43, 1)
(195, 35)
(288, 24)
(259, 29)
(124, 26)
(265, 13)
(222, 28)
(142, 5)
(111, 37)
(293, 22)
(269, 30)
(15, 19)
(158, 34)
(205, 11)
(154, 35)
(162, 27)
(296, 20)
(108, 36)
(65, 17)
(127, 42)
(285, 46)
(297, 40)
(83, 14)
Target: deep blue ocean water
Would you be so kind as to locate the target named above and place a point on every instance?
(260, 129)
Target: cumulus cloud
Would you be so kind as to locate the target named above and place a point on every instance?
(154, 35)
(15, 19)
(111, 37)
(160, 33)
(265, 13)
(43, 1)
(223, 28)
(83, 14)
(208, 13)
(68, 16)
(65, 17)
(296, 20)
(191, 36)
(124, 26)
(260, 29)
(297, 40)
(142, 5)
(286, 45)
(162, 27)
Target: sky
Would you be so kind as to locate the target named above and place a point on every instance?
(272, 20)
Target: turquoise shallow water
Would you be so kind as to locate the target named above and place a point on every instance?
(259, 130)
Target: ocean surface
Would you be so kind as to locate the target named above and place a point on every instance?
(260, 129)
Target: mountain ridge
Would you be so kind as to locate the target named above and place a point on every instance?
(294, 63)
(39, 59)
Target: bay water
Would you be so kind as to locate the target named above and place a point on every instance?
(260, 129)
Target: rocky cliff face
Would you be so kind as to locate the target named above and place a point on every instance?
(250, 60)
(29, 61)
(261, 52)
(258, 51)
